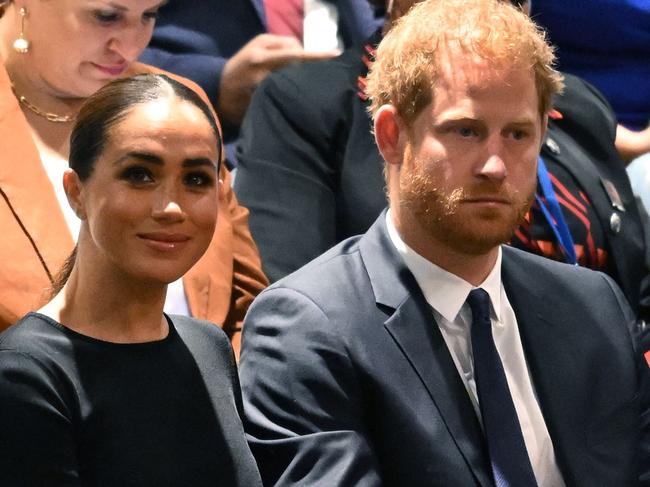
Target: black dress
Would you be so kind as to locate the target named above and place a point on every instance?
(80, 411)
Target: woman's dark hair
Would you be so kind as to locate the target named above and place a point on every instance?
(112, 103)
(105, 109)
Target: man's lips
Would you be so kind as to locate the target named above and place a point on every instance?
(111, 69)
(164, 241)
(495, 200)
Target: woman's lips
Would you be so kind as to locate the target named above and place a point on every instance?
(165, 242)
(111, 69)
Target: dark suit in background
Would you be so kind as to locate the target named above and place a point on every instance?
(196, 39)
(347, 380)
(306, 141)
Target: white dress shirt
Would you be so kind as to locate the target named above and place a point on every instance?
(320, 26)
(446, 293)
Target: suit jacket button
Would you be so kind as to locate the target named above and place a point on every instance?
(615, 223)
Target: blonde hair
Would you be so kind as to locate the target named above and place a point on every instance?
(409, 58)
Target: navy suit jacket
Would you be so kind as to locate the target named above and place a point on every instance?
(195, 39)
(347, 380)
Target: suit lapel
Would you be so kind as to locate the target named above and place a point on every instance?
(544, 322)
(413, 328)
(548, 338)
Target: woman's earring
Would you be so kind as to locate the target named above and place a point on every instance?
(21, 45)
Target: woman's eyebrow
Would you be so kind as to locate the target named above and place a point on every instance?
(158, 161)
(143, 156)
(199, 161)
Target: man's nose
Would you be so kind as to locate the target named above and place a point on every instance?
(493, 165)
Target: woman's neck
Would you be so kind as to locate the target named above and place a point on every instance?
(36, 95)
(109, 306)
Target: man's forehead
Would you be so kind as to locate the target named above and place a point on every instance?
(458, 67)
(475, 88)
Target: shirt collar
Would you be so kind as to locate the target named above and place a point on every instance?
(445, 292)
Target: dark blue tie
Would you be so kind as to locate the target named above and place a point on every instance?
(508, 455)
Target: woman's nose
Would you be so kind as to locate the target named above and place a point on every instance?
(168, 208)
(129, 43)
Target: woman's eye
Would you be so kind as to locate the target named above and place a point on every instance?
(106, 16)
(137, 175)
(198, 179)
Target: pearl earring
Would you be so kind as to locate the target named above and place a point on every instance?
(21, 45)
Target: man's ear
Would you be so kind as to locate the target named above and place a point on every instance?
(390, 134)
(74, 191)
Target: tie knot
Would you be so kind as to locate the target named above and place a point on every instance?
(479, 301)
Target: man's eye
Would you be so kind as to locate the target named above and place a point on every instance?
(519, 134)
(137, 175)
(466, 132)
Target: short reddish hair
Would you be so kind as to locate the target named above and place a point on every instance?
(408, 60)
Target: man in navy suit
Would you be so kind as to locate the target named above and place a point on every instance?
(222, 45)
(425, 353)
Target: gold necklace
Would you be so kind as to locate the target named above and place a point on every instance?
(51, 117)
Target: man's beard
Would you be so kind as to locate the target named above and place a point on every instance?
(441, 214)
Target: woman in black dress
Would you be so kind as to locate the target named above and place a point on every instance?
(100, 387)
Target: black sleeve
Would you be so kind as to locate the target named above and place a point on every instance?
(644, 396)
(37, 442)
(643, 390)
(643, 328)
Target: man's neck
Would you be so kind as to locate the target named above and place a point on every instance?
(473, 268)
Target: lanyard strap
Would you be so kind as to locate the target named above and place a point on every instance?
(553, 213)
